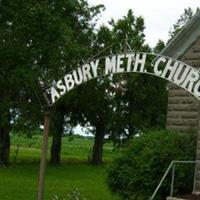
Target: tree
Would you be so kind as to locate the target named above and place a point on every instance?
(91, 104)
(134, 111)
(96, 110)
(182, 21)
(159, 47)
(120, 116)
(36, 38)
(57, 130)
(81, 37)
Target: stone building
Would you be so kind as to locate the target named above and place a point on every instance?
(183, 109)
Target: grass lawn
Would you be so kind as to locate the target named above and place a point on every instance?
(19, 181)
(73, 149)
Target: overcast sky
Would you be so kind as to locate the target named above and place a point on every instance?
(159, 15)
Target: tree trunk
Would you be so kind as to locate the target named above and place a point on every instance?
(57, 131)
(97, 153)
(4, 139)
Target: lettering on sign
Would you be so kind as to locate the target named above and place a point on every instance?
(172, 70)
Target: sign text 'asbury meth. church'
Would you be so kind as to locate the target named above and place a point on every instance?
(167, 68)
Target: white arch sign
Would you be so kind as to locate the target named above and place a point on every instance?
(164, 67)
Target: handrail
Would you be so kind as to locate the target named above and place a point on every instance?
(161, 181)
(172, 164)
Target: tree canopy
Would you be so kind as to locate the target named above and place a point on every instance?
(40, 40)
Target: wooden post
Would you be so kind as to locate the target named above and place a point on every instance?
(40, 194)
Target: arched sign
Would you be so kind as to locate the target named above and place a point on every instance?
(164, 67)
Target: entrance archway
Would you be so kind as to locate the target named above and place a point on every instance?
(161, 66)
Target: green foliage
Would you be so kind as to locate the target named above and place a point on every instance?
(137, 172)
(133, 110)
(40, 41)
(159, 47)
(122, 115)
(182, 21)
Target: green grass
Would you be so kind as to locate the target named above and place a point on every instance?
(19, 181)
(72, 148)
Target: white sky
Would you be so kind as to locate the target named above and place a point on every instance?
(159, 15)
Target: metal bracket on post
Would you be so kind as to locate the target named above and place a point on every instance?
(40, 193)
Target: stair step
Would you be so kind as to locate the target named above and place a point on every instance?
(185, 197)
(175, 198)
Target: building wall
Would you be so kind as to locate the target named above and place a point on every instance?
(183, 109)
(182, 113)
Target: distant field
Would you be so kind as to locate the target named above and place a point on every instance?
(73, 149)
(19, 181)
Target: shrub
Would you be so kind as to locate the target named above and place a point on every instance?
(137, 172)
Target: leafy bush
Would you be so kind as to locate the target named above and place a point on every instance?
(137, 172)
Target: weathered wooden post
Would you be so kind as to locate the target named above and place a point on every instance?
(40, 194)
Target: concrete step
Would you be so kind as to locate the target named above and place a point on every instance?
(185, 197)
(174, 198)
